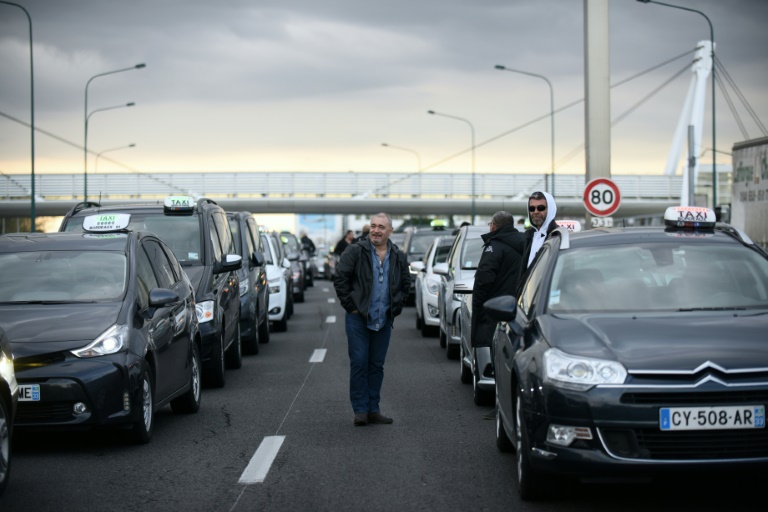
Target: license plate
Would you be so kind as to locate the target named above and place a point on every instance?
(712, 418)
(29, 392)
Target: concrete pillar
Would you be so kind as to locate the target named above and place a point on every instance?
(597, 75)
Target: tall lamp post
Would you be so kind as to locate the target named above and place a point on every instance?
(551, 115)
(85, 171)
(85, 122)
(418, 157)
(714, 131)
(96, 167)
(472, 129)
(31, 115)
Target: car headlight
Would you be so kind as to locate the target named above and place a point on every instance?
(6, 370)
(274, 285)
(581, 373)
(204, 311)
(433, 285)
(244, 285)
(111, 341)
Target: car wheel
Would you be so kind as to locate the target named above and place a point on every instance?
(503, 442)
(6, 427)
(264, 330)
(250, 345)
(215, 377)
(443, 338)
(419, 323)
(299, 297)
(466, 372)
(189, 402)
(142, 429)
(452, 351)
(234, 357)
(480, 396)
(281, 325)
(529, 483)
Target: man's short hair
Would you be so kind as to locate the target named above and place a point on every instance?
(381, 214)
(502, 218)
(537, 195)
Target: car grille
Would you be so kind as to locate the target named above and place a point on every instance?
(697, 397)
(28, 363)
(39, 413)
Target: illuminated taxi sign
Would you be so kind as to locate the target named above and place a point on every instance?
(573, 226)
(438, 223)
(178, 205)
(691, 217)
(106, 222)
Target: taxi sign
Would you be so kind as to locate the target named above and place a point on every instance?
(178, 204)
(572, 226)
(690, 217)
(106, 222)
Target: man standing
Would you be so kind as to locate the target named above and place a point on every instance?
(372, 281)
(307, 243)
(344, 242)
(541, 211)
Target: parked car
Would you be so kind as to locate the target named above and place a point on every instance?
(635, 352)
(320, 265)
(456, 277)
(102, 327)
(279, 284)
(428, 285)
(415, 246)
(252, 276)
(199, 235)
(298, 263)
(476, 363)
(9, 396)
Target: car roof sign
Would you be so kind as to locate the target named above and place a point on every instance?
(106, 222)
(178, 205)
(573, 226)
(690, 217)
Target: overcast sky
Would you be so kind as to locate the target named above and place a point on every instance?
(310, 85)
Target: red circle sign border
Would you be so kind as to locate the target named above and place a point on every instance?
(612, 186)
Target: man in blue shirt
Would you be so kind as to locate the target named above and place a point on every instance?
(371, 282)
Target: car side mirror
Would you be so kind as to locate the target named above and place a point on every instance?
(257, 258)
(440, 269)
(417, 266)
(229, 263)
(501, 309)
(286, 263)
(159, 297)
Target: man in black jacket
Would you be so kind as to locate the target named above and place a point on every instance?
(372, 281)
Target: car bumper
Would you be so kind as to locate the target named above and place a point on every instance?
(430, 313)
(210, 335)
(277, 305)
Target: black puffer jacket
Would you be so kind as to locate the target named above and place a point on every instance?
(354, 278)
(496, 275)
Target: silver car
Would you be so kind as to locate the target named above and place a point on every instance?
(427, 284)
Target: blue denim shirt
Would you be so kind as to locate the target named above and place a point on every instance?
(377, 313)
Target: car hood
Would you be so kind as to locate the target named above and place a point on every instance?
(672, 342)
(33, 328)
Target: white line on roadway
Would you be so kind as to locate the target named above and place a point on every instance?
(331, 319)
(331, 300)
(318, 355)
(258, 467)
(325, 290)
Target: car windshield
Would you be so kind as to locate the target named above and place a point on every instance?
(659, 277)
(62, 276)
(397, 238)
(290, 242)
(420, 242)
(471, 250)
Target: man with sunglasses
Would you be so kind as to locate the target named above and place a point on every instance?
(541, 212)
(372, 281)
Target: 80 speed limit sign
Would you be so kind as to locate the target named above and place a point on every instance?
(601, 197)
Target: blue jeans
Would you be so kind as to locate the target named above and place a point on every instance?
(367, 351)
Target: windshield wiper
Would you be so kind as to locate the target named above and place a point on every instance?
(40, 302)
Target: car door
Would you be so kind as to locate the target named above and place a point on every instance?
(259, 273)
(226, 282)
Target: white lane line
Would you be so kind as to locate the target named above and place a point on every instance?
(258, 467)
(326, 290)
(318, 355)
(331, 319)
(331, 300)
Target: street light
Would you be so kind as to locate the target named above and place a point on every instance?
(551, 114)
(85, 171)
(472, 129)
(85, 120)
(96, 169)
(714, 132)
(31, 115)
(418, 157)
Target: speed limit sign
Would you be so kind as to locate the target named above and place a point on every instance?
(602, 197)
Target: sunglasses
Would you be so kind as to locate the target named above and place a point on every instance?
(381, 273)
(540, 208)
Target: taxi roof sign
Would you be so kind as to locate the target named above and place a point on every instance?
(573, 226)
(106, 222)
(691, 217)
(438, 223)
(179, 205)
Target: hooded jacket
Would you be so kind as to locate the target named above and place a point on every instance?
(535, 237)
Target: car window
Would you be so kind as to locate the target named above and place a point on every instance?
(145, 278)
(530, 291)
(253, 233)
(268, 258)
(160, 263)
(471, 252)
(441, 254)
(234, 226)
(223, 232)
(420, 242)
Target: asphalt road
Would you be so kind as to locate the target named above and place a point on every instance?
(439, 454)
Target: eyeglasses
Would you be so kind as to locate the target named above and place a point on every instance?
(381, 273)
(490, 223)
(540, 208)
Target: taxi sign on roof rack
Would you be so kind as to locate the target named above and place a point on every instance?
(178, 204)
(690, 217)
(573, 226)
(106, 222)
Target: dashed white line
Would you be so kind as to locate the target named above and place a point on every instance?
(331, 300)
(326, 290)
(331, 319)
(258, 467)
(318, 355)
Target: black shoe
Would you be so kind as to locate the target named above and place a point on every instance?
(361, 419)
(377, 417)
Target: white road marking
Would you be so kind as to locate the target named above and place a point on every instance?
(331, 300)
(331, 319)
(258, 467)
(326, 290)
(318, 355)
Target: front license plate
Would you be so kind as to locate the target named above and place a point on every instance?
(29, 392)
(712, 418)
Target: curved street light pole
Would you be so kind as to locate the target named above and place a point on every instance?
(714, 131)
(85, 122)
(96, 166)
(418, 157)
(472, 129)
(85, 171)
(31, 115)
(551, 115)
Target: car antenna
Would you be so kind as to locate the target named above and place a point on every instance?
(99, 209)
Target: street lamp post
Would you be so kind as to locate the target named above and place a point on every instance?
(85, 171)
(96, 166)
(418, 157)
(714, 131)
(31, 115)
(85, 122)
(551, 115)
(472, 130)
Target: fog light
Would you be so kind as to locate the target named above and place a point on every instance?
(433, 311)
(564, 436)
(275, 311)
(126, 401)
(79, 408)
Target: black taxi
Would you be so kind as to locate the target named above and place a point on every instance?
(635, 352)
(102, 327)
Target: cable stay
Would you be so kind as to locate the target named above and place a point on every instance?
(724, 72)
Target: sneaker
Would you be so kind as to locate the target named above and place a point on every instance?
(361, 419)
(377, 417)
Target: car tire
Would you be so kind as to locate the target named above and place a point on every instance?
(264, 330)
(451, 351)
(466, 373)
(298, 297)
(419, 322)
(6, 430)
(189, 402)
(250, 345)
(281, 325)
(234, 355)
(529, 482)
(443, 338)
(141, 432)
(215, 376)
(503, 442)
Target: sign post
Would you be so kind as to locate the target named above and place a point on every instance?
(601, 199)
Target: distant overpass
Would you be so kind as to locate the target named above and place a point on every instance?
(333, 192)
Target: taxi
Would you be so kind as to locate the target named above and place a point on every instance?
(634, 352)
(9, 396)
(102, 326)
